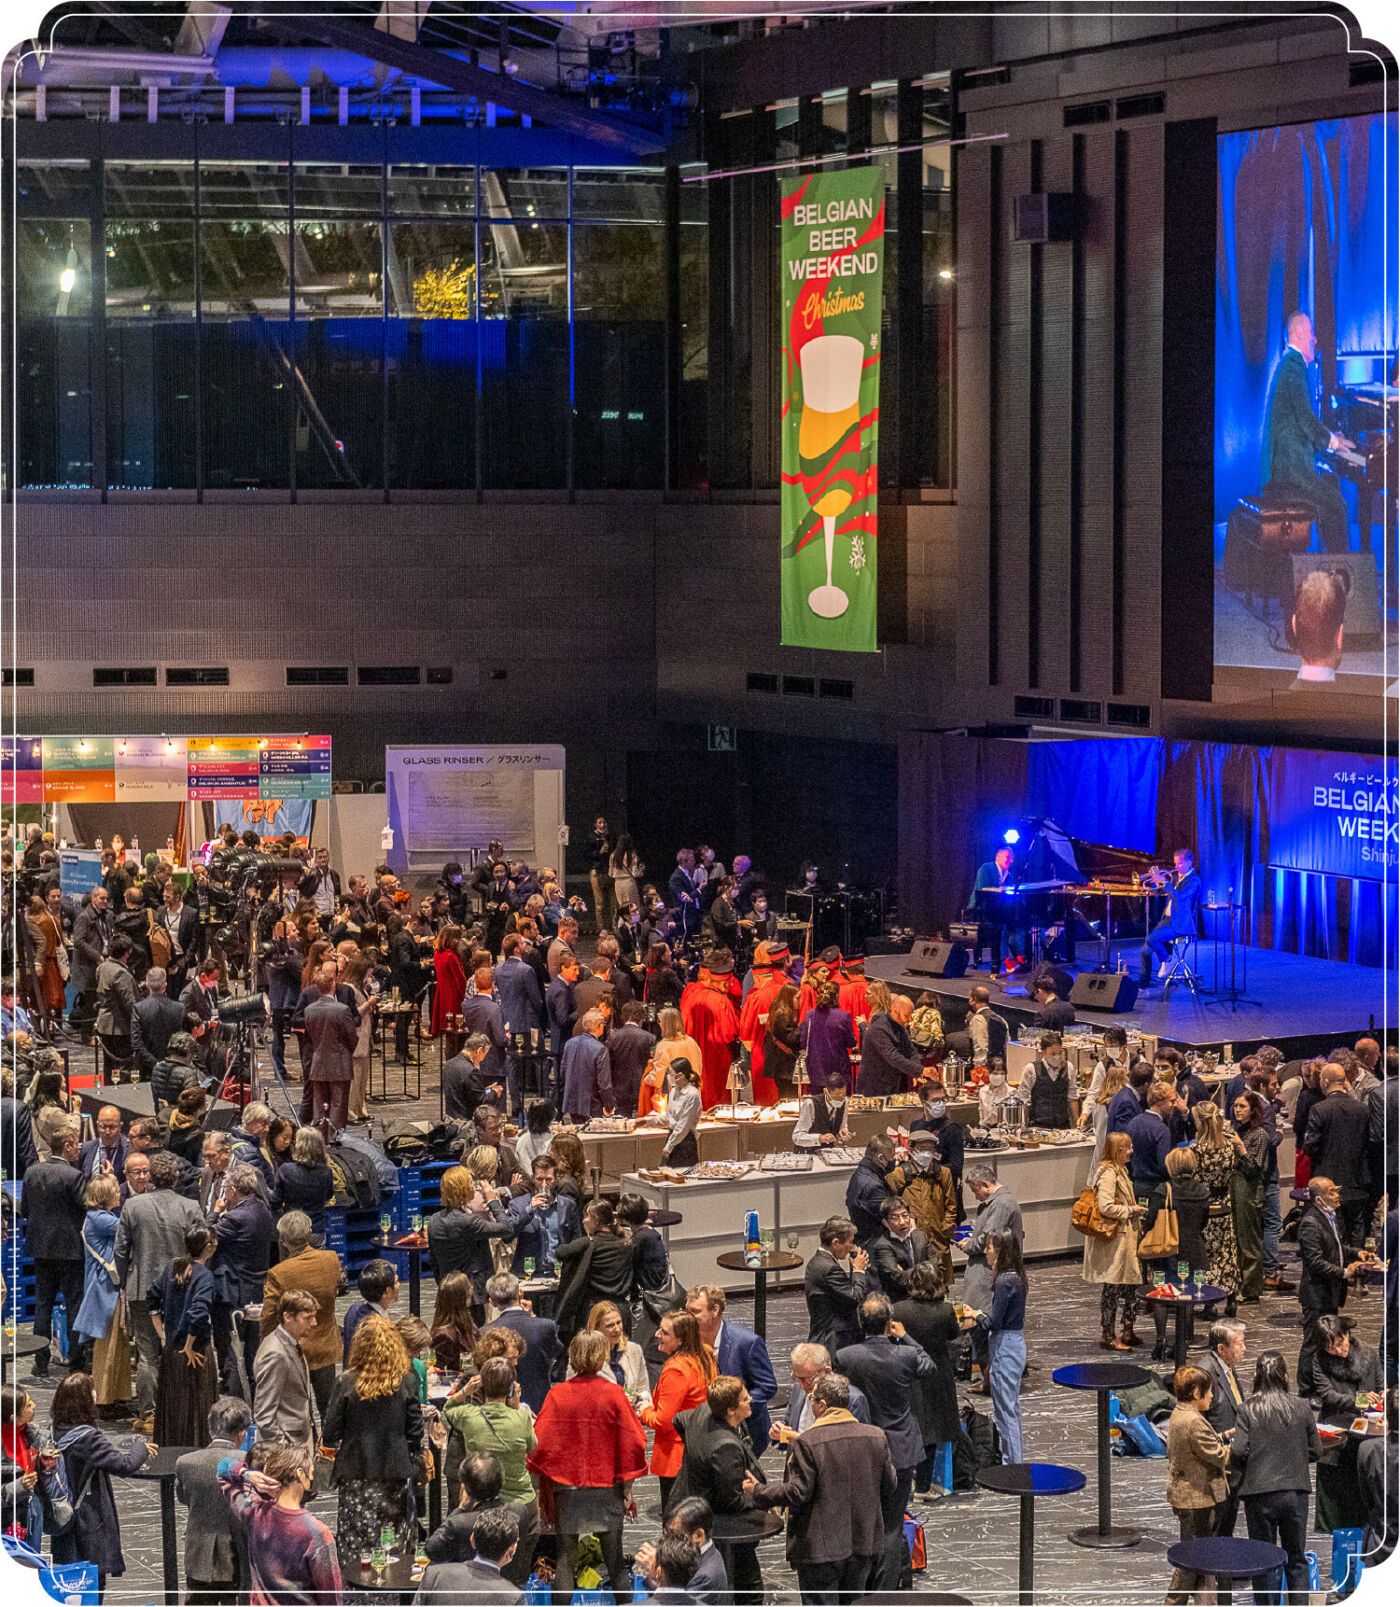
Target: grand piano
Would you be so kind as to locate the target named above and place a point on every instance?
(1069, 890)
(1367, 415)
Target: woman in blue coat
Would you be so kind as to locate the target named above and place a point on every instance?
(89, 1461)
(96, 1317)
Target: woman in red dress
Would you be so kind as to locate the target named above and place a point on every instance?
(451, 978)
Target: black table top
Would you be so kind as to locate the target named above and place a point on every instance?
(733, 1527)
(1229, 1556)
(1196, 1294)
(665, 1219)
(15, 1346)
(162, 1464)
(1031, 1478)
(1101, 1375)
(396, 1579)
(769, 1261)
(136, 1099)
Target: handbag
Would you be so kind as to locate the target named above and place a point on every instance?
(1163, 1238)
(1086, 1218)
(669, 1297)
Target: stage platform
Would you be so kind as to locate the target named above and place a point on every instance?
(1302, 1005)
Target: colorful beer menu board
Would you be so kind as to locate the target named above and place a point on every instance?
(163, 769)
(237, 767)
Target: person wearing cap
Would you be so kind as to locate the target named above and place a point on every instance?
(772, 971)
(821, 1123)
(711, 1017)
(926, 1186)
(951, 1138)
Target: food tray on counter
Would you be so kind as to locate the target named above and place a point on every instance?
(841, 1155)
(785, 1160)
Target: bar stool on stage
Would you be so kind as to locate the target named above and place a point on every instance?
(1181, 966)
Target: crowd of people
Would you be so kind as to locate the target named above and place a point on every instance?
(160, 1232)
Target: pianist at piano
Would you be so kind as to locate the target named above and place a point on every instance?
(998, 875)
(1294, 435)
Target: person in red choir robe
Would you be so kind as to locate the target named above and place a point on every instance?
(854, 990)
(772, 967)
(710, 1014)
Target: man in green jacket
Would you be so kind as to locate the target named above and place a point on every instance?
(1294, 435)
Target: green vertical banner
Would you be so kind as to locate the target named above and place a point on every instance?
(833, 261)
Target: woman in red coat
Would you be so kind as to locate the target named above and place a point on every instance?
(589, 1448)
(451, 979)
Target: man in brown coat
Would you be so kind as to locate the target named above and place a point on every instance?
(317, 1273)
(839, 1489)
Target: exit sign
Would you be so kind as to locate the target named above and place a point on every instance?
(723, 739)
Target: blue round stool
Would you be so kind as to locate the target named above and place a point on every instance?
(1228, 1558)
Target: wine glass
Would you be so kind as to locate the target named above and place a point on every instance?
(831, 369)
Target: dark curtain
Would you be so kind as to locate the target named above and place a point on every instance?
(958, 793)
(956, 796)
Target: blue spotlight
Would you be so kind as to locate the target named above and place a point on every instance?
(1011, 836)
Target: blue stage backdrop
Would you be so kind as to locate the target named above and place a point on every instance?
(1311, 855)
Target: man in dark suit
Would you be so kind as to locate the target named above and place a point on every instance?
(542, 1343)
(899, 1249)
(481, 1012)
(332, 1034)
(546, 1220)
(869, 1188)
(1337, 1136)
(839, 1488)
(321, 885)
(217, 1152)
(181, 927)
(158, 1019)
(837, 1279)
(17, 1135)
(1327, 1264)
(200, 998)
(889, 1063)
(243, 1228)
(1221, 1364)
(495, 1535)
(107, 1152)
(1294, 435)
(216, 1560)
(1129, 1103)
(693, 1519)
(51, 1207)
(464, 1083)
(740, 1353)
(886, 1367)
(597, 989)
(560, 1009)
(92, 930)
(1180, 919)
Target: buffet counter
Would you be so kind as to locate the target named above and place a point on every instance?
(748, 1136)
(1046, 1180)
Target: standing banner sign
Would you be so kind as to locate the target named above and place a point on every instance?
(833, 252)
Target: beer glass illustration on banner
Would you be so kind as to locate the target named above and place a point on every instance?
(831, 371)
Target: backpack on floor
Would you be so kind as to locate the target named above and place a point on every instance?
(355, 1177)
(978, 1446)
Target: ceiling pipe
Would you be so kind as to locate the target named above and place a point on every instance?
(57, 65)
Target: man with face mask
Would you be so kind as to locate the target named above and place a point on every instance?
(1045, 1085)
(926, 1187)
(821, 1122)
(948, 1135)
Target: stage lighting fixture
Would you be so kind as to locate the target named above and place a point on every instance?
(1011, 836)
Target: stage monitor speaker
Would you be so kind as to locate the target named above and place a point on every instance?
(1040, 219)
(1361, 624)
(932, 958)
(1104, 990)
